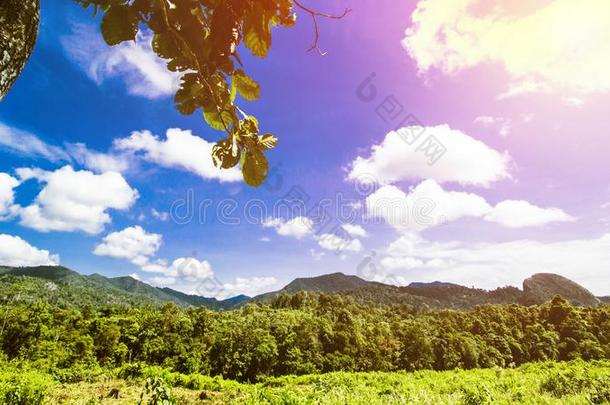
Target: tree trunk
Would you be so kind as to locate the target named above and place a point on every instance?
(18, 32)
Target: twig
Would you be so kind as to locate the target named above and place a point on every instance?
(314, 14)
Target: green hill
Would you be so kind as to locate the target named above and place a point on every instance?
(537, 289)
(66, 288)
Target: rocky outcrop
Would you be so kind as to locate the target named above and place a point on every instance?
(543, 287)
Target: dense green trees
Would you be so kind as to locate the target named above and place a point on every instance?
(300, 334)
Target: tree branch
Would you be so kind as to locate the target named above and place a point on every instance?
(314, 17)
(185, 46)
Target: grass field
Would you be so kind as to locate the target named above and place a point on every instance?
(542, 383)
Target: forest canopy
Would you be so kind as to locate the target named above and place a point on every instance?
(300, 334)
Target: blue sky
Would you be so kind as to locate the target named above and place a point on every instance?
(85, 128)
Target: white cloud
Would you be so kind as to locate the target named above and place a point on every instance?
(336, 243)
(250, 286)
(16, 252)
(161, 216)
(97, 161)
(560, 44)
(355, 230)
(181, 150)
(519, 214)
(298, 227)
(523, 87)
(7, 196)
(490, 265)
(75, 200)
(466, 161)
(190, 269)
(161, 281)
(192, 276)
(425, 206)
(155, 266)
(500, 124)
(134, 62)
(133, 244)
(27, 144)
(428, 205)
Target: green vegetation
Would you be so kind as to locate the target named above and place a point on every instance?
(58, 345)
(575, 382)
(300, 334)
(65, 288)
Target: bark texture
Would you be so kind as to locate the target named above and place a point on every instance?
(18, 32)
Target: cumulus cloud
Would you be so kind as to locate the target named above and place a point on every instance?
(16, 252)
(7, 196)
(75, 200)
(133, 62)
(340, 240)
(250, 286)
(192, 276)
(428, 205)
(466, 161)
(160, 281)
(339, 244)
(133, 244)
(187, 274)
(355, 230)
(181, 149)
(519, 214)
(559, 44)
(190, 269)
(97, 161)
(489, 265)
(298, 227)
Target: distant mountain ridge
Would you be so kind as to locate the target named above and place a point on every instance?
(98, 289)
(440, 295)
(67, 287)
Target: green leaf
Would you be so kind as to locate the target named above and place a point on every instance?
(254, 167)
(120, 23)
(188, 95)
(257, 32)
(222, 154)
(248, 88)
(220, 122)
(267, 141)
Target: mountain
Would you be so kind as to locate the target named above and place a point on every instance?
(544, 286)
(434, 284)
(211, 303)
(327, 283)
(439, 295)
(65, 287)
